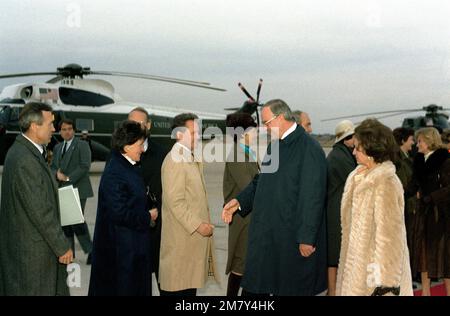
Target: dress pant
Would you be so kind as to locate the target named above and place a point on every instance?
(82, 233)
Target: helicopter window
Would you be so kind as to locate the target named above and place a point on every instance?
(14, 116)
(85, 124)
(4, 114)
(81, 97)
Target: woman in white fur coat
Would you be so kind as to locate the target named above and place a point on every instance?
(374, 257)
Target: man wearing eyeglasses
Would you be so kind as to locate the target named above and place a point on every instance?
(287, 237)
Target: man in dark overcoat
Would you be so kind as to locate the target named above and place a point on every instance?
(287, 235)
(150, 166)
(33, 248)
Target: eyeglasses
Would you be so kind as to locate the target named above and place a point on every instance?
(267, 122)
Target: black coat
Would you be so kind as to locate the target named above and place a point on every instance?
(288, 209)
(150, 166)
(432, 228)
(121, 260)
(340, 163)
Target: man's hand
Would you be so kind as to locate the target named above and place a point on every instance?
(205, 229)
(229, 209)
(67, 257)
(61, 176)
(306, 250)
(153, 214)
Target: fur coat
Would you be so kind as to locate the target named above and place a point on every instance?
(374, 251)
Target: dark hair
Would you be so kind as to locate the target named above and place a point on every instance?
(377, 140)
(239, 119)
(128, 133)
(66, 121)
(32, 113)
(181, 119)
(401, 134)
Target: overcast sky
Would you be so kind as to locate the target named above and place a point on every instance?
(326, 57)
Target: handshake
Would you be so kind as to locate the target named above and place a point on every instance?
(229, 209)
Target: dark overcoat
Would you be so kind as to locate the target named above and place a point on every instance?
(288, 209)
(121, 248)
(31, 237)
(340, 163)
(432, 223)
(150, 166)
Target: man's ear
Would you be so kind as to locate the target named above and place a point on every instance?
(33, 126)
(149, 125)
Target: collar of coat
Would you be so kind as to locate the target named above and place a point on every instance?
(181, 153)
(21, 139)
(433, 163)
(370, 178)
(121, 159)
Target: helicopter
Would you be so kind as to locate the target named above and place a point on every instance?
(93, 105)
(434, 117)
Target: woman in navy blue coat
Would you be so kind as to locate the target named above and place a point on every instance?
(121, 263)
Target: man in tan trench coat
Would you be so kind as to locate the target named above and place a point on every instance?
(187, 249)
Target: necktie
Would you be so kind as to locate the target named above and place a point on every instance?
(44, 153)
(64, 149)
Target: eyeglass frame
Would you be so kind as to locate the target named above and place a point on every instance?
(273, 117)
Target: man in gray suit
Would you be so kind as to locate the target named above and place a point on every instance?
(70, 165)
(31, 239)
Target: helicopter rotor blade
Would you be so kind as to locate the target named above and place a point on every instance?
(391, 115)
(232, 109)
(145, 76)
(369, 114)
(55, 79)
(246, 92)
(28, 74)
(149, 77)
(258, 92)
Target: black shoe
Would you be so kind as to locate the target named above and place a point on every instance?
(89, 259)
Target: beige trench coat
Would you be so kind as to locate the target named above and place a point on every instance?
(373, 249)
(186, 257)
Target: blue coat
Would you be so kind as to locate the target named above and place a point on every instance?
(121, 260)
(288, 209)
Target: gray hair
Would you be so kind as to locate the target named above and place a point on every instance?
(279, 107)
(32, 113)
